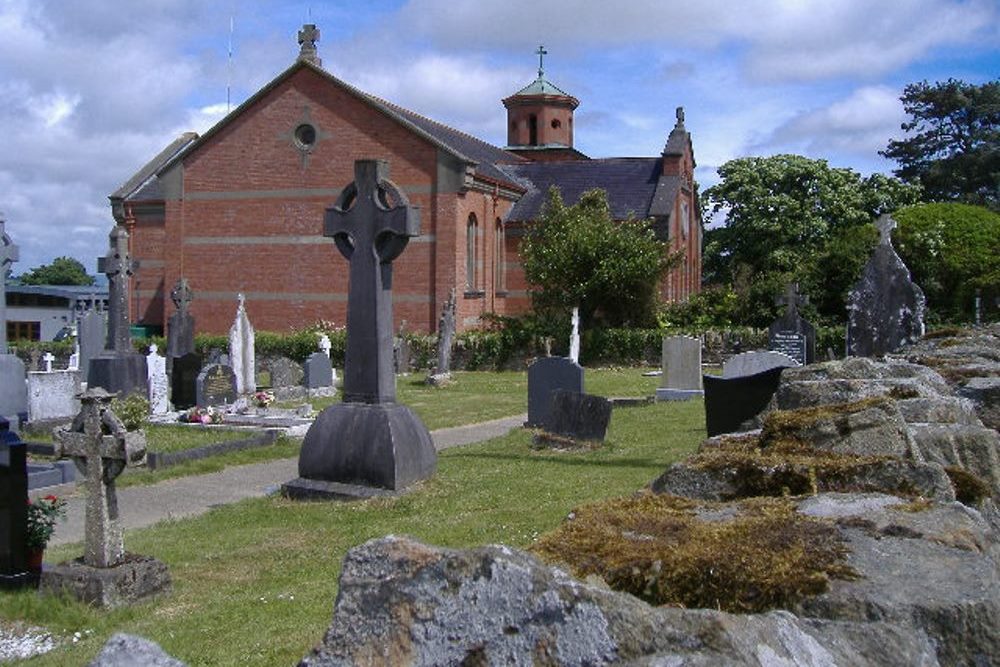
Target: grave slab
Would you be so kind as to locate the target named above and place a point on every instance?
(545, 376)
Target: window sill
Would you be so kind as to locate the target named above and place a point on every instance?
(474, 294)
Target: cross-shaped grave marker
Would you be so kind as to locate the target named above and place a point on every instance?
(370, 232)
(98, 444)
(8, 255)
(48, 358)
(792, 299)
(118, 266)
(182, 295)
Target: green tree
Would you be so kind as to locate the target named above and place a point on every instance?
(953, 150)
(62, 271)
(952, 250)
(788, 218)
(579, 256)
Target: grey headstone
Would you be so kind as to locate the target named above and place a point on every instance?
(13, 388)
(180, 325)
(285, 373)
(53, 395)
(241, 350)
(13, 509)
(159, 388)
(216, 385)
(681, 378)
(318, 371)
(368, 440)
(546, 376)
(751, 363)
(119, 267)
(790, 334)
(91, 333)
(885, 309)
(579, 416)
(184, 373)
(446, 335)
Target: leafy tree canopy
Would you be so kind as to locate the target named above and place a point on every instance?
(579, 256)
(789, 218)
(953, 147)
(62, 271)
(952, 250)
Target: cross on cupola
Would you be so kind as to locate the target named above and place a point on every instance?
(541, 65)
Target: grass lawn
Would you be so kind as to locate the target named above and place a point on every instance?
(255, 582)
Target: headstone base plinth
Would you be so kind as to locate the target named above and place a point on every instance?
(135, 578)
(381, 445)
(318, 489)
(121, 374)
(663, 394)
(19, 580)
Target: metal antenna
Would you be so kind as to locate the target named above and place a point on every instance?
(229, 63)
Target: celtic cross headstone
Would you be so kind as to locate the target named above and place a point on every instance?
(368, 443)
(790, 334)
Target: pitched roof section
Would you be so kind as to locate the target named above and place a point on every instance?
(635, 186)
(143, 184)
(475, 152)
(541, 86)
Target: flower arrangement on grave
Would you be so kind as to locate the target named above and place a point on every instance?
(262, 398)
(200, 415)
(42, 516)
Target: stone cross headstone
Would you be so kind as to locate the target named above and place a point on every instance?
(159, 388)
(48, 358)
(13, 509)
(681, 378)
(216, 385)
(546, 376)
(367, 441)
(574, 337)
(790, 334)
(119, 368)
(180, 326)
(241, 350)
(98, 445)
(446, 335)
(8, 255)
(885, 309)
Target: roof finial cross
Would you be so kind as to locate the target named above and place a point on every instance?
(541, 54)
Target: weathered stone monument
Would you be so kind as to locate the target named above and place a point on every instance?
(241, 350)
(545, 376)
(119, 368)
(885, 309)
(91, 333)
(100, 447)
(445, 341)
(13, 511)
(13, 390)
(681, 378)
(159, 388)
(53, 394)
(790, 334)
(574, 336)
(368, 443)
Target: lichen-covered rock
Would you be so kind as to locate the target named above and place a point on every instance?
(124, 650)
(984, 392)
(938, 409)
(973, 448)
(404, 603)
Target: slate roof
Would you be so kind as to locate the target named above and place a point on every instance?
(144, 185)
(635, 186)
(541, 86)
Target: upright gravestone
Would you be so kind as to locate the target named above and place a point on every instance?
(751, 363)
(446, 336)
(53, 394)
(790, 334)
(13, 511)
(885, 309)
(91, 331)
(574, 336)
(159, 388)
(545, 376)
(99, 445)
(184, 372)
(285, 373)
(216, 385)
(401, 350)
(579, 417)
(368, 443)
(734, 403)
(183, 363)
(681, 378)
(241, 350)
(119, 368)
(13, 390)
(318, 371)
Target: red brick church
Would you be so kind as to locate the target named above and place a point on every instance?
(240, 208)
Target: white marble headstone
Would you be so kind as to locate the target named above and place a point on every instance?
(48, 358)
(574, 338)
(241, 351)
(159, 387)
(53, 394)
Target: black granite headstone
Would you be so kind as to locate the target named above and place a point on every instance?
(216, 385)
(318, 371)
(885, 309)
(545, 376)
(13, 509)
(730, 402)
(184, 381)
(578, 416)
(791, 334)
(180, 326)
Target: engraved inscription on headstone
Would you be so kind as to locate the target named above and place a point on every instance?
(790, 334)
(216, 385)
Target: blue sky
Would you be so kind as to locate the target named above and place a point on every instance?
(93, 89)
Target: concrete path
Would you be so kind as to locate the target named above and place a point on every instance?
(142, 506)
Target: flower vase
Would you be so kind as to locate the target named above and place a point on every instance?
(35, 560)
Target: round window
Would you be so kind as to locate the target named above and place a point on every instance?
(305, 136)
(556, 124)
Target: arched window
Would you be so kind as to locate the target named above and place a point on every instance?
(471, 247)
(532, 130)
(499, 259)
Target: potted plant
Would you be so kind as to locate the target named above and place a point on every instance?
(42, 516)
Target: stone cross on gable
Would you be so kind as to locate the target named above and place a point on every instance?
(792, 299)
(118, 266)
(101, 457)
(8, 255)
(370, 232)
(308, 36)
(885, 225)
(181, 294)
